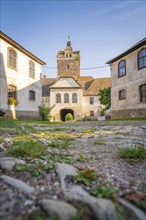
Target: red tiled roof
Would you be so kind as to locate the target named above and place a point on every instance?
(92, 86)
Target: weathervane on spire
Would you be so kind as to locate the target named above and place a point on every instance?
(68, 37)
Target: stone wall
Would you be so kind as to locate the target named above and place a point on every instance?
(134, 78)
(23, 115)
(70, 66)
(76, 107)
(128, 113)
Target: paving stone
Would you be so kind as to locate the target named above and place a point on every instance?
(64, 170)
(17, 183)
(44, 141)
(8, 163)
(64, 210)
(2, 148)
(139, 214)
(103, 209)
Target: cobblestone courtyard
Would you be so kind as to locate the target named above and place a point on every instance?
(45, 186)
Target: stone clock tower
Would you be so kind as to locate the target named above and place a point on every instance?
(68, 62)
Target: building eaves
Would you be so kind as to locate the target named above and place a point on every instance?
(19, 47)
(130, 50)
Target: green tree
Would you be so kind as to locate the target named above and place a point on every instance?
(105, 97)
(68, 117)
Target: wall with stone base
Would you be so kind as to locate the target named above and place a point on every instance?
(128, 113)
(23, 115)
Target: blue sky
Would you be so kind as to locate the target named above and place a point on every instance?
(101, 30)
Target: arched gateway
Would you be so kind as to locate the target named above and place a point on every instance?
(64, 112)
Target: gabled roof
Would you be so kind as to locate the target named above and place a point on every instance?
(99, 83)
(65, 86)
(46, 83)
(85, 81)
(92, 86)
(19, 47)
(89, 85)
(130, 50)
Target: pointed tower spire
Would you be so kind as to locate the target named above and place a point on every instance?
(69, 42)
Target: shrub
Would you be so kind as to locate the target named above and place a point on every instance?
(102, 112)
(44, 112)
(69, 117)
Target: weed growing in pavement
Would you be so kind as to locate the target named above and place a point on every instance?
(89, 131)
(79, 215)
(99, 142)
(81, 158)
(60, 129)
(55, 135)
(105, 192)
(26, 147)
(132, 154)
(58, 144)
(40, 215)
(85, 177)
(120, 132)
(45, 163)
(21, 167)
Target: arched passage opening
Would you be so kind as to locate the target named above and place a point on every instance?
(64, 112)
